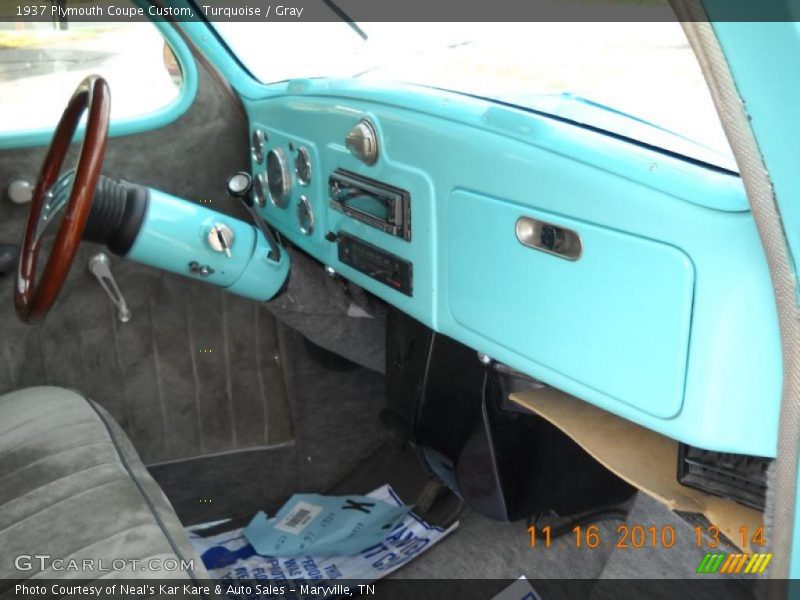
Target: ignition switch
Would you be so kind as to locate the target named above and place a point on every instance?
(220, 238)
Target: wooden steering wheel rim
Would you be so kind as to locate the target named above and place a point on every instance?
(33, 299)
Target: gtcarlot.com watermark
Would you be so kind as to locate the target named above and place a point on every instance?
(44, 562)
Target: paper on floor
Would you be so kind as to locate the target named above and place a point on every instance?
(230, 558)
(324, 525)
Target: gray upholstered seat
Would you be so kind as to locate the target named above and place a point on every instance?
(72, 487)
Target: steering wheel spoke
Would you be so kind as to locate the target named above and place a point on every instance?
(55, 200)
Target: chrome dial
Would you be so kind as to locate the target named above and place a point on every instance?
(302, 166)
(279, 178)
(305, 216)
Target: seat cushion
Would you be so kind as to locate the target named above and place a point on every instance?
(72, 487)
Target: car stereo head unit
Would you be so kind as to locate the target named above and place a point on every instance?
(377, 204)
(375, 262)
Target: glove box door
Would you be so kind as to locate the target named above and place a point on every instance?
(606, 310)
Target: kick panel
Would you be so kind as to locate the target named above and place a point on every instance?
(616, 318)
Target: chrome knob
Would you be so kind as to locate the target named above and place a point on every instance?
(240, 184)
(20, 191)
(362, 141)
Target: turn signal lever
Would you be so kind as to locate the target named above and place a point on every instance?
(240, 185)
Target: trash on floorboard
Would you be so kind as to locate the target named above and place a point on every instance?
(323, 525)
(230, 557)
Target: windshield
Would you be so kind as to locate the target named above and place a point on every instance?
(637, 80)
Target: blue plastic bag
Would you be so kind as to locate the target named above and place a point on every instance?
(323, 526)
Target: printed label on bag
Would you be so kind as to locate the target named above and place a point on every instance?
(299, 518)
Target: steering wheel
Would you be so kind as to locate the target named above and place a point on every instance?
(73, 192)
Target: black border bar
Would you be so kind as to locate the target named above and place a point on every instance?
(410, 11)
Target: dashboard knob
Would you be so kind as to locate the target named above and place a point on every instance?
(20, 191)
(362, 141)
(240, 184)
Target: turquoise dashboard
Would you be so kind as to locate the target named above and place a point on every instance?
(655, 302)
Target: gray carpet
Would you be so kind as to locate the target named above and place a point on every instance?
(336, 425)
(333, 313)
(465, 553)
(482, 549)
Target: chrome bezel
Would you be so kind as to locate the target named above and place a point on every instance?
(529, 234)
(304, 156)
(304, 204)
(257, 141)
(282, 199)
(260, 189)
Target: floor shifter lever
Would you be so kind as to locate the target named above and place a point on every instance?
(100, 267)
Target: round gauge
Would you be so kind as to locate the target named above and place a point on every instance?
(279, 179)
(260, 189)
(302, 166)
(257, 142)
(305, 216)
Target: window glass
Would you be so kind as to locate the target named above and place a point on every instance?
(638, 80)
(41, 64)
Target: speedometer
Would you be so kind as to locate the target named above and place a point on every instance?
(279, 178)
